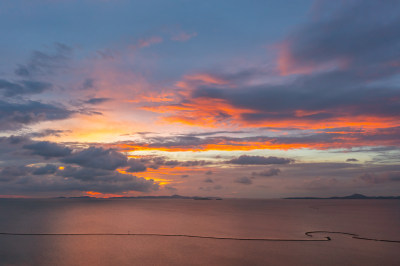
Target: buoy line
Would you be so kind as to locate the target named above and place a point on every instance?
(309, 234)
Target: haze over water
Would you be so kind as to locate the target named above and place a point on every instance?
(232, 218)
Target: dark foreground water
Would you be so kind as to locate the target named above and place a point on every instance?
(171, 231)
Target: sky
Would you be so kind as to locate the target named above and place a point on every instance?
(247, 99)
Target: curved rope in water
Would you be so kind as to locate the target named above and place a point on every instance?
(162, 235)
(355, 236)
(309, 234)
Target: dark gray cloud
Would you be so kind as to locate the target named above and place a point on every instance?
(352, 160)
(10, 89)
(97, 157)
(366, 45)
(20, 172)
(93, 174)
(345, 63)
(48, 149)
(22, 178)
(45, 63)
(209, 172)
(183, 163)
(48, 132)
(208, 180)
(58, 185)
(316, 96)
(14, 115)
(194, 163)
(259, 160)
(267, 172)
(84, 174)
(12, 153)
(171, 163)
(379, 178)
(45, 170)
(136, 165)
(97, 100)
(9, 173)
(156, 161)
(244, 180)
(88, 84)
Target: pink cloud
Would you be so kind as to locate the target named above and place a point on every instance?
(183, 36)
(288, 64)
(149, 41)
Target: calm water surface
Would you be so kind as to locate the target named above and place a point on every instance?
(273, 219)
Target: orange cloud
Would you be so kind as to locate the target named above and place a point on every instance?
(149, 176)
(154, 97)
(321, 140)
(201, 112)
(206, 78)
(102, 195)
(191, 81)
(213, 113)
(365, 122)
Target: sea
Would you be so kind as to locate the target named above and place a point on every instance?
(68, 231)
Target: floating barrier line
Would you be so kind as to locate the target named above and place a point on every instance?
(355, 236)
(309, 234)
(161, 235)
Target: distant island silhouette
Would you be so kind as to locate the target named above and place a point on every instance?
(354, 196)
(146, 197)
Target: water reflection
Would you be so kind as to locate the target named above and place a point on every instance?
(287, 219)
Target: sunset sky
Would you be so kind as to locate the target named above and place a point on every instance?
(250, 99)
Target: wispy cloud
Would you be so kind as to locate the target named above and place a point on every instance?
(183, 36)
(149, 41)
